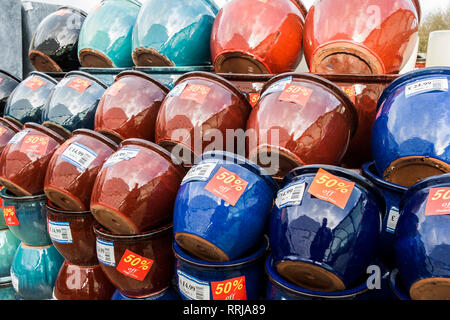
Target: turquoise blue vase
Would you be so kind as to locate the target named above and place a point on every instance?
(8, 247)
(7, 291)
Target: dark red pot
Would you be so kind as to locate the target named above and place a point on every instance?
(152, 249)
(314, 124)
(82, 283)
(199, 102)
(136, 188)
(73, 168)
(24, 160)
(253, 36)
(8, 129)
(129, 108)
(72, 234)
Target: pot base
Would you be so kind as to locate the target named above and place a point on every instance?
(15, 189)
(64, 200)
(150, 58)
(94, 59)
(200, 248)
(43, 63)
(237, 62)
(310, 276)
(431, 289)
(113, 220)
(407, 171)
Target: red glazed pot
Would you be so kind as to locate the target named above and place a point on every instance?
(200, 105)
(72, 234)
(258, 36)
(301, 119)
(136, 188)
(360, 36)
(82, 283)
(8, 129)
(73, 168)
(139, 265)
(129, 108)
(24, 161)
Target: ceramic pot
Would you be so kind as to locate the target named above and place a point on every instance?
(174, 33)
(8, 83)
(8, 247)
(27, 101)
(252, 36)
(7, 291)
(129, 108)
(73, 103)
(167, 294)
(214, 210)
(411, 132)
(397, 286)
(8, 129)
(139, 265)
(324, 227)
(438, 45)
(136, 188)
(82, 283)
(169, 75)
(364, 37)
(106, 75)
(27, 155)
(73, 168)
(106, 34)
(54, 46)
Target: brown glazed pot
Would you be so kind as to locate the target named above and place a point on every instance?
(82, 283)
(8, 129)
(300, 119)
(136, 188)
(128, 109)
(73, 168)
(200, 106)
(24, 161)
(154, 246)
(79, 248)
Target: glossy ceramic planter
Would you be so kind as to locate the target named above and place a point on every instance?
(31, 225)
(54, 46)
(174, 33)
(72, 234)
(240, 279)
(24, 160)
(73, 168)
(8, 247)
(82, 283)
(27, 101)
(8, 83)
(73, 103)
(153, 246)
(34, 271)
(397, 286)
(106, 36)
(106, 75)
(8, 129)
(169, 75)
(411, 132)
(136, 188)
(422, 242)
(252, 36)
(200, 105)
(168, 294)
(7, 292)
(222, 226)
(438, 45)
(365, 37)
(319, 245)
(325, 120)
(129, 108)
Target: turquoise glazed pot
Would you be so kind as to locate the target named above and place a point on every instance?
(169, 75)
(174, 33)
(31, 214)
(34, 271)
(7, 291)
(106, 35)
(106, 75)
(8, 247)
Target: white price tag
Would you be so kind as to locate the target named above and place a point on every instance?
(78, 155)
(18, 136)
(193, 288)
(440, 84)
(291, 196)
(60, 231)
(392, 220)
(199, 172)
(105, 252)
(123, 154)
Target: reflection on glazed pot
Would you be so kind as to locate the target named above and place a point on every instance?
(168, 294)
(397, 286)
(8, 83)
(7, 291)
(8, 129)
(8, 247)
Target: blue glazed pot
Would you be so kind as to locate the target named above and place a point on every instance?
(31, 213)
(318, 245)
(213, 229)
(197, 279)
(8, 83)
(422, 243)
(106, 75)
(8, 247)
(7, 291)
(174, 33)
(397, 287)
(34, 271)
(411, 132)
(106, 35)
(168, 294)
(169, 75)
(73, 102)
(392, 193)
(26, 102)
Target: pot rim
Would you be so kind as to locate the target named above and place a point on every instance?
(58, 211)
(53, 134)
(43, 75)
(299, 4)
(96, 135)
(74, 9)
(6, 284)
(6, 73)
(144, 76)
(5, 194)
(370, 174)
(171, 70)
(258, 254)
(324, 83)
(86, 75)
(359, 78)
(418, 8)
(10, 124)
(393, 280)
(102, 232)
